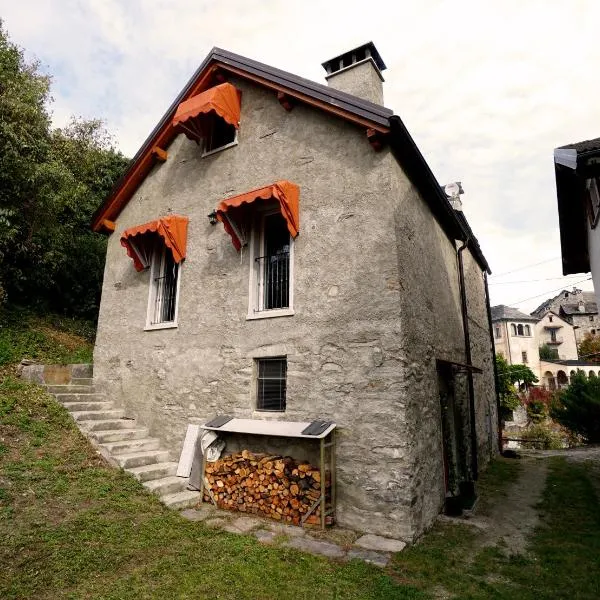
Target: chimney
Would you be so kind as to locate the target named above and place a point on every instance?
(581, 306)
(357, 72)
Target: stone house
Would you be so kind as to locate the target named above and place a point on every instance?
(577, 307)
(279, 249)
(515, 336)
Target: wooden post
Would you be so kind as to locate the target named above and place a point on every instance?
(202, 475)
(332, 475)
(322, 465)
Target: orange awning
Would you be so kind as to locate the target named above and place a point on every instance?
(223, 99)
(285, 192)
(173, 231)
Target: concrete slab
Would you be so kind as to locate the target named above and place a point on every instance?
(289, 530)
(306, 544)
(378, 559)
(216, 522)
(246, 524)
(264, 537)
(195, 515)
(379, 543)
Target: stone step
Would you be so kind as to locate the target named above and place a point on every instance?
(181, 499)
(139, 459)
(98, 415)
(126, 446)
(119, 435)
(104, 425)
(85, 406)
(90, 397)
(70, 389)
(166, 485)
(82, 381)
(156, 471)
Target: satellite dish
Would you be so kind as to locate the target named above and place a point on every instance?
(452, 189)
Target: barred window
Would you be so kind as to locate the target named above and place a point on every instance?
(271, 379)
(164, 281)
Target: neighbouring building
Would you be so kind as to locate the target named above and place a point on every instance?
(518, 337)
(279, 249)
(577, 307)
(514, 336)
(577, 172)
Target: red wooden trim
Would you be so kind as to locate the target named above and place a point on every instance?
(160, 154)
(109, 226)
(116, 202)
(285, 100)
(348, 116)
(376, 139)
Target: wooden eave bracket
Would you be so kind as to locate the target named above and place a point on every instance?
(107, 226)
(377, 139)
(159, 154)
(287, 101)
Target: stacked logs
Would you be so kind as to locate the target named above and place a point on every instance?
(263, 484)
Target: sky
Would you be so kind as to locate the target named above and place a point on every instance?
(486, 89)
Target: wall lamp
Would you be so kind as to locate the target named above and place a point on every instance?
(212, 217)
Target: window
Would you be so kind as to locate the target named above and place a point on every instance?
(164, 289)
(593, 201)
(271, 380)
(271, 289)
(219, 134)
(592, 318)
(527, 330)
(519, 329)
(524, 357)
(497, 331)
(513, 328)
(550, 318)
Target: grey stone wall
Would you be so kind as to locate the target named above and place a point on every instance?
(360, 349)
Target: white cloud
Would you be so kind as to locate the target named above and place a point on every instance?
(487, 89)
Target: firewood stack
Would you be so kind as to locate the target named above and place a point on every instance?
(273, 486)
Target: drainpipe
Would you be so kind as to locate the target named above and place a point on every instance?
(496, 386)
(465, 317)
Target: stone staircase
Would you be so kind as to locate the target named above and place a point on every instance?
(120, 440)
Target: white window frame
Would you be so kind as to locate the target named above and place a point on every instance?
(593, 201)
(157, 267)
(257, 244)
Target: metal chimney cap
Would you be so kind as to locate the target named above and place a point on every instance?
(359, 53)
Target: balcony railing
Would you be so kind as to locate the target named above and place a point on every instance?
(554, 341)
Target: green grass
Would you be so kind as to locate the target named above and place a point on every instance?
(71, 527)
(50, 339)
(564, 552)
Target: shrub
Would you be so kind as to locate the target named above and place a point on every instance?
(541, 437)
(578, 407)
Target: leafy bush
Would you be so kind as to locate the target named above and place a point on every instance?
(508, 376)
(578, 407)
(547, 353)
(541, 437)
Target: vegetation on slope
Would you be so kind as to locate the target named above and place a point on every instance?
(50, 339)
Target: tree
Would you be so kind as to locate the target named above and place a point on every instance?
(578, 407)
(547, 353)
(589, 349)
(508, 377)
(51, 182)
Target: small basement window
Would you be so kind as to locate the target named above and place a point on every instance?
(271, 384)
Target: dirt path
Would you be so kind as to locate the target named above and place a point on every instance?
(511, 519)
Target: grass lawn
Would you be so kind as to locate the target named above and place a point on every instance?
(70, 527)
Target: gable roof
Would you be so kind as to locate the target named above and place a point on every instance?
(320, 96)
(501, 312)
(554, 314)
(573, 309)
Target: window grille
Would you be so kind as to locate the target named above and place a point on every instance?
(165, 289)
(272, 383)
(524, 357)
(274, 266)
